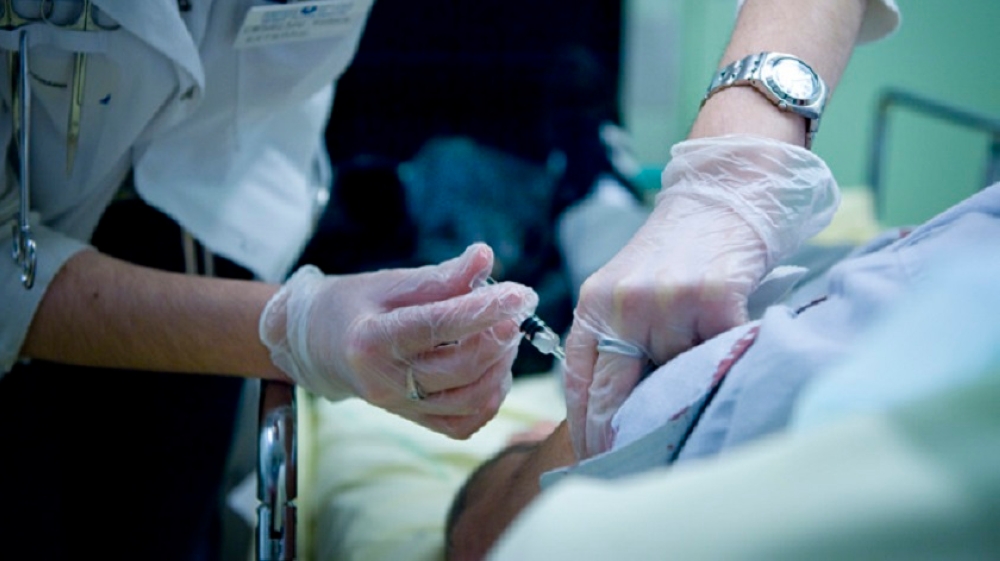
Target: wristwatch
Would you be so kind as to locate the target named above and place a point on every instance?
(790, 83)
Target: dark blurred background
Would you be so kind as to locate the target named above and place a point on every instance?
(471, 120)
(503, 71)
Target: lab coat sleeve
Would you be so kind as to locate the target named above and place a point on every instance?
(19, 303)
(881, 20)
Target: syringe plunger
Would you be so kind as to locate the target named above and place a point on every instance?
(542, 337)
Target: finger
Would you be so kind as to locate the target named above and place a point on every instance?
(726, 310)
(581, 354)
(416, 329)
(615, 375)
(493, 381)
(456, 365)
(460, 412)
(451, 278)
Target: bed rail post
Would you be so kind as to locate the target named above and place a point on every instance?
(276, 473)
(893, 97)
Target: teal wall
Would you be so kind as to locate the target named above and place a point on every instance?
(945, 50)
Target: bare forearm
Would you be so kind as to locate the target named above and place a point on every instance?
(556, 451)
(100, 311)
(499, 490)
(821, 32)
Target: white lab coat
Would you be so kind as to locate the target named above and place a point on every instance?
(880, 20)
(227, 141)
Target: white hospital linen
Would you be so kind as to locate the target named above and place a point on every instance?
(917, 482)
(965, 282)
(380, 486)
(228, 142)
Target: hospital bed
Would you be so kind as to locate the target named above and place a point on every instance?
(277, 473)
(378, 486)
(349, 481)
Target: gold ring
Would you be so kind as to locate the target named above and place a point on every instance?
(413, 390)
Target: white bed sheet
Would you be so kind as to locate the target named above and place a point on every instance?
(374, 486)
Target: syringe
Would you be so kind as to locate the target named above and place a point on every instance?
(539, 334)
(542, 337)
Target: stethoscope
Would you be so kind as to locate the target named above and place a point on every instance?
(80, 15)
(24, 249)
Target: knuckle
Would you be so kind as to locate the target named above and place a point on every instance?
(590, 289)
(379, 395)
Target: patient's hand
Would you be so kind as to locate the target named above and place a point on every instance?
(499, 490)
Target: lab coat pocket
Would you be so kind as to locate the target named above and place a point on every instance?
(289, 52)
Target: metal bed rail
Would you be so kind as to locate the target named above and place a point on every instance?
(277, 465)
(893, 98)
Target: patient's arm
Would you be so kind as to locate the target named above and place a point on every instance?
(499, 490)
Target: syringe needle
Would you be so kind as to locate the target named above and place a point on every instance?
(539, 334)
(542, 337)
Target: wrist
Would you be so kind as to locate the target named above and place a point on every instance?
(746, 111)
(785, 193)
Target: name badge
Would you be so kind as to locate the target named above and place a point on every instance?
(297, 21)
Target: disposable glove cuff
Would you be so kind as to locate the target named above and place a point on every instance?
(785, 193)
(284, 331)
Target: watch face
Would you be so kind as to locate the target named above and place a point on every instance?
(794, 79)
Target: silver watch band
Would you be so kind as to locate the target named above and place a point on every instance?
(747, 72)
(741, 72)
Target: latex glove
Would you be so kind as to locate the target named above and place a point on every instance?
(338, 336)
(731, 207)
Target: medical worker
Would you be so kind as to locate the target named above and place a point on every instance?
(201, 121)
(169, 156)
(742, 192)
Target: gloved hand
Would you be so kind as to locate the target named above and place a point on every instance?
(364, 334)
(731, 207)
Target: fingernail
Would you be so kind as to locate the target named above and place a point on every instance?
(511, 300)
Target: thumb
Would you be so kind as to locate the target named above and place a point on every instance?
(722, 314)
(615, 376)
